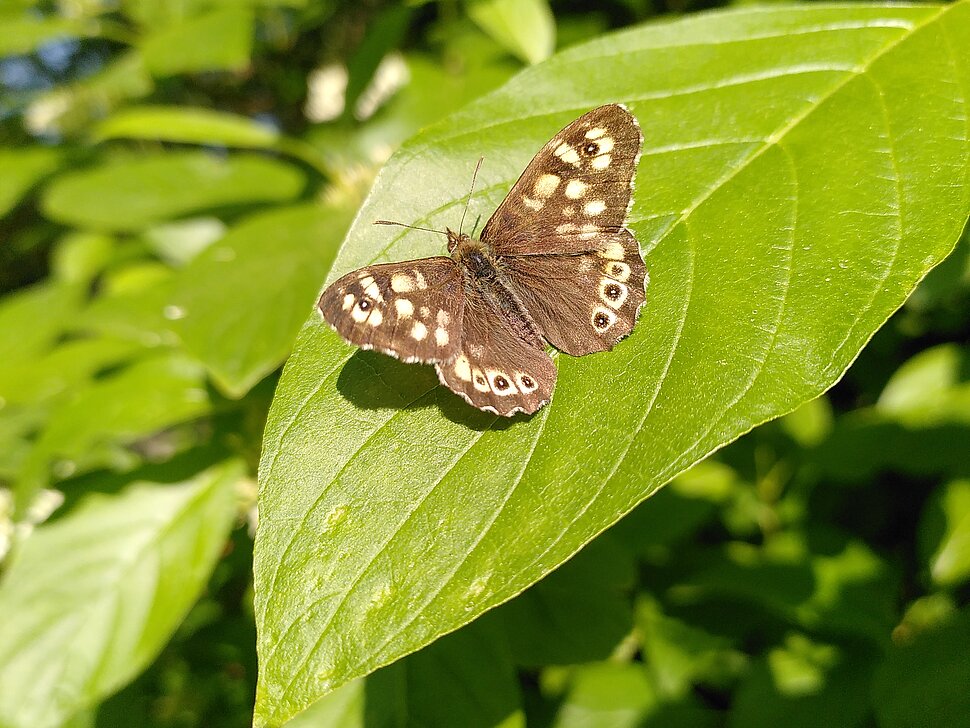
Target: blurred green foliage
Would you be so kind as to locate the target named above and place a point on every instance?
(175, 180)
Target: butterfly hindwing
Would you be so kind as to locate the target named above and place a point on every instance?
(586, 302)
(497, 369)
(577, 187)
(410, 310)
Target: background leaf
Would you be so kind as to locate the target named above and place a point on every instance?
(200, 126)
(527, 28)
(913, 686)
(236, 321)
(22, 168)
(91, 599)
(783, 207)
(128, 194)
(220, 39)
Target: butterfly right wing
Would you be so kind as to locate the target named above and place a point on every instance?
(498, 369)
(586, 302)
(576, 189)
(410, 310)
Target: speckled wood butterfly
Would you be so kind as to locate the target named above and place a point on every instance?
(554, 263)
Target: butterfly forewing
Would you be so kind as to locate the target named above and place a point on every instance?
(586, 302)
(497, 369)
(410, 310)
(577, 187)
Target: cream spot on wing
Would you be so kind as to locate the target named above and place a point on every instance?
(441, 336)
(575, 189)
(419, 277)
(463, 369)
(606, 145)
(569, 211)
(374, 291)
(425, 312)
(402, 283)
(546, 185)
(419, 331)
(444, 318)
(567, 154)
(526, 383)
(349, 300)
(360, 314)
(619, 270)
(531, 204)
(501, 383)
(479, 381)
(612, 293)
(601, 162)
(376, 318)
(590, 231)
(405, 309)
(365, 281)
(613, 251)
(602, 319)
(566, 228)
(594, 208)
(595, 133)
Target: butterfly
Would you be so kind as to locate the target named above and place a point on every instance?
(553, 264)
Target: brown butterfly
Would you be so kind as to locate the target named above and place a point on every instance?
(554, 263)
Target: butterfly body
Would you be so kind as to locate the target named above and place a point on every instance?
(486, 284)
(554, 263)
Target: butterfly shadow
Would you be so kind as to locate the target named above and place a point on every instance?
(375, 381)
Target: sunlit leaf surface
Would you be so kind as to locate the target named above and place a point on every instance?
(803, 169)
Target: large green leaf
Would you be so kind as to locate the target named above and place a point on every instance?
(803, 168)
(90, 600)
(131, 193)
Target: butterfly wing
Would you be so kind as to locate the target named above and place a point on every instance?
(585, 302)
(410, 310)
(561, 238)
(575, 189)
(497, 369)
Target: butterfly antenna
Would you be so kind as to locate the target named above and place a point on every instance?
(413, 227)
(470, 191)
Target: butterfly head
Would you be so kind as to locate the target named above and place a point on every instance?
(457, 240)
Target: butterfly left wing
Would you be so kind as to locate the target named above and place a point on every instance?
(574, 190)
(498, 369)
(410, 310)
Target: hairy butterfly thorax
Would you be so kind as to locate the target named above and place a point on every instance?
(555, 263)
